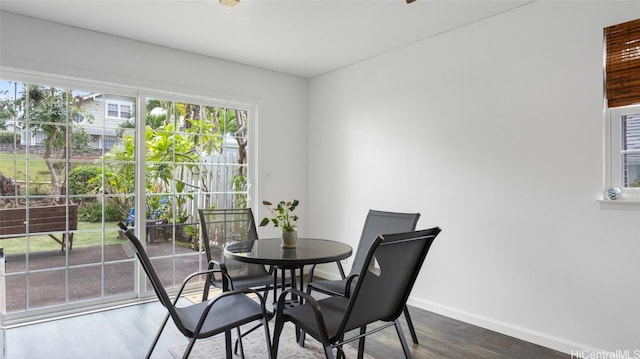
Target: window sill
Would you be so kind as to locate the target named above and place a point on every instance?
(625, 205)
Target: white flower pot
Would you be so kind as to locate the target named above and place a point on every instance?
(289, 239)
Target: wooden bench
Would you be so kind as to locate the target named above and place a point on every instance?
(13, 221)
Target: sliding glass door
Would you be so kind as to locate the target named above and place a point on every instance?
(70, 158)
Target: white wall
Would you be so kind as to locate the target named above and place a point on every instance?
(35, 45)
(494, 133)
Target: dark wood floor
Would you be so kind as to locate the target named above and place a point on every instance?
(127, 332)
(443, 337)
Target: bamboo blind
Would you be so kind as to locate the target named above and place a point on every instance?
(623, 63)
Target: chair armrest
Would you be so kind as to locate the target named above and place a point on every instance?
(196, 274)
(310, 275)
(213, 263)
(242, 291)
(309, 300)
(225, 285)
(347, 286)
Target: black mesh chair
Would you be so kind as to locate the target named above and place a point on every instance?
(221, 226)
(392, 264)
(376, 223)
(221, 314)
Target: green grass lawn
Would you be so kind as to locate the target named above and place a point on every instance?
(15, 167)
(88, 235)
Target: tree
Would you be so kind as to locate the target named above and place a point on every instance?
(119, 175)
(177, 135)
(234, 123)
(50, 110)
(8, 105)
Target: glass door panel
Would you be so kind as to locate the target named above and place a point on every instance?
(53, 146)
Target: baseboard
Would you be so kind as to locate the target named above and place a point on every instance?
(328, 275)
(556, 343)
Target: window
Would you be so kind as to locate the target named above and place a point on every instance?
(624, 150)
(622, 132)
(77, 118)
(117, 109)
(59, 177)
(631, 150)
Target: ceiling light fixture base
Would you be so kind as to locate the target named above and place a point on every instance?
(229, 3)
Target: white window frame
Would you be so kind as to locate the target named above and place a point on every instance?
(82, 118)
(119, 104)
(141, 94)
(629, 197)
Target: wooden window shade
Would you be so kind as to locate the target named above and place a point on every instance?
(623, 63)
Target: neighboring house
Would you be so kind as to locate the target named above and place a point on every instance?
(108, 112)
(11, 127)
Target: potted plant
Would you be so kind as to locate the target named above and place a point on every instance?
(282, 216)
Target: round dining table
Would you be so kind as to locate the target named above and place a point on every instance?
(270, 252)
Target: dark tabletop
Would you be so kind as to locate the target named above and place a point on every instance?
(270, 252)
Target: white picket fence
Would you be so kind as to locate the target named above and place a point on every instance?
(211, 185)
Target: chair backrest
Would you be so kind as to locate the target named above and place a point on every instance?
(384, 284)
(377, 223)
(152, 275)
(222, 226)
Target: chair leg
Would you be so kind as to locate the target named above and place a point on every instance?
(227, 344)
(155, 340)
(340, 269)
(275, 286)
(339, 351)
(207, 286)
(303, 334)
(328, 352)
(412, 330)
(239, 340)
(265, 325)
(277, 330)
(266, 292)
(403, 341)
(363, 330)
(187, 351)
(235, 348)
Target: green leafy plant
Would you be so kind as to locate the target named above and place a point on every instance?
(92, 213)
(79, 179)
(49, 109)
(81, 142)
(282, 215)
(9, 138)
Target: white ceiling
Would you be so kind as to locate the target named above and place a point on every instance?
(300, 37)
